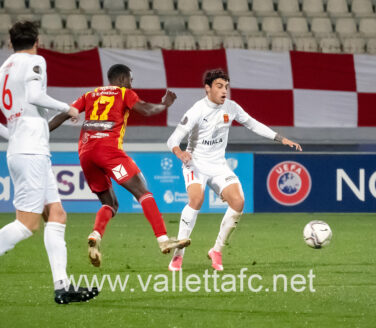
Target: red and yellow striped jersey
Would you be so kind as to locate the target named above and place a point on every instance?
(106, 113)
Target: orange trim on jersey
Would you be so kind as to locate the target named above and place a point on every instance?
(122, 131)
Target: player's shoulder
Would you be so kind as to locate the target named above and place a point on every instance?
(231, 103)
(36, 60)
(198, 107)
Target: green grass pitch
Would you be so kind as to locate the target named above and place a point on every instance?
(265, 244)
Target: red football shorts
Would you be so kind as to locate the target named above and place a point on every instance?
(100, 165)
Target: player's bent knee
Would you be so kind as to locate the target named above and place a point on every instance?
(57, 213)
(196, 203)
(237, 204)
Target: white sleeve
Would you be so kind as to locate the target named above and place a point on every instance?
(176, 137)
(4, 132)
(35, 91)
(250, 123)
(187, 123)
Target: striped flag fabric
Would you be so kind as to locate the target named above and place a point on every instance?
(298, 89)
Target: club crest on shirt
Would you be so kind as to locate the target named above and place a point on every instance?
(225, 118)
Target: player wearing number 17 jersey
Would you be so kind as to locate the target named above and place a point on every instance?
(102, 156)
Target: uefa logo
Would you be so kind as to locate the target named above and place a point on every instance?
(289, 183)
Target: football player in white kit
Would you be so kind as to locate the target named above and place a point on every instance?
(24, 103)
(207, 124)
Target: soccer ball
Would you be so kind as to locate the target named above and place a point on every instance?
(317, 234)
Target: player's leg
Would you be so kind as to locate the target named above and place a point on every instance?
(27, 179)
(99, 183)
(20, 229)
(195, 185)
(54, 241)
(136, 186)
(108, 210)
(232, 193)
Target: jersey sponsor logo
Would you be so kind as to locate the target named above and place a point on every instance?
(289, 183)
(211, 142)
(99, 135)
(90, 125)
(120, 172)
(14, 116)
(225, 118)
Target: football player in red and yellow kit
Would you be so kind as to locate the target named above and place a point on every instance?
(102, 156)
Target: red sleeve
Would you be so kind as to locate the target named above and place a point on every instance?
(79, 103)
(130, 98)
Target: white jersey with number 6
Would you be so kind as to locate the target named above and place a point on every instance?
(24, 103)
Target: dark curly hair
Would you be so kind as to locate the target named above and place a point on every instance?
(214, 74)
(117, 70)
(23, 35)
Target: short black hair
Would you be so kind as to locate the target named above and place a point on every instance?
(117, 71)
(214, 74)
(23, 35)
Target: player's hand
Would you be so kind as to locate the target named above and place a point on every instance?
(291, 144)
(73, 112)
(169, 98)
(184, 156)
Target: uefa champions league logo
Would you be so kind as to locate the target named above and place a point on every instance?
(289, 183)
(166, 163)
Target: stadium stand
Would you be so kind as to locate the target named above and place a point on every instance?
(289, 8)
(184, 42)
(258, 43)
(313, 8)
(113, 41)
(66, 6)
(164, 7)
(40, 6)
(201, 24)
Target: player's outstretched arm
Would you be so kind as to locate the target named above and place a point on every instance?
(59, 119)
(149, 109)
(287, 142)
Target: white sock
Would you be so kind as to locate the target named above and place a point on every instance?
(229, 222)
(187, 222)
(57, 252)
(162, 238)
(11, 234)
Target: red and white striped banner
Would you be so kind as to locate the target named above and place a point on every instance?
(280, 89)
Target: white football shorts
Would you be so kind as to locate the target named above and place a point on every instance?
(192, 175)
(34, 182)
